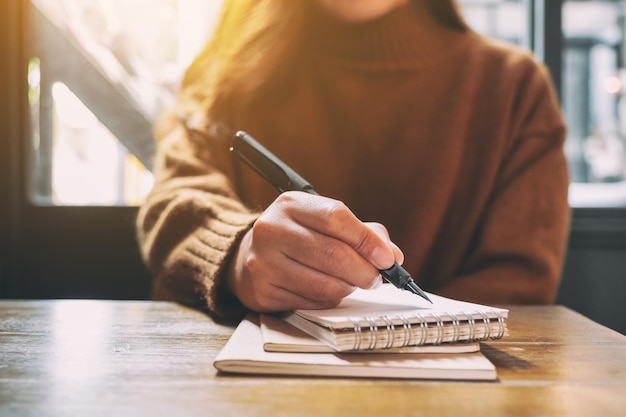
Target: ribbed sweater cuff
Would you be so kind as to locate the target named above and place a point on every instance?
(212, 248)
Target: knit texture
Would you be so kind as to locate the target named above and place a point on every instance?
(452, 141)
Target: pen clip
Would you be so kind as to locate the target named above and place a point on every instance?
(268, 166)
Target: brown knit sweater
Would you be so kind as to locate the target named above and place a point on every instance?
(452, 141)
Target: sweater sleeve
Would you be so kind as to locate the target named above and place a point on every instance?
(516, 255)
(190, 223)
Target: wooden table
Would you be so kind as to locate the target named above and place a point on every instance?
(141, 358)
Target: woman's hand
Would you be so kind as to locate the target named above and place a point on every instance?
(308, 252)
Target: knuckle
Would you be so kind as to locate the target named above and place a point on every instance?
(315, 304)
(263, 227)
(285, 198)
(324, 304)
(261, 295)
(363, 242)
(254, 266)
(336, 212)
(329, 292)
(379, 228)
(332, 253)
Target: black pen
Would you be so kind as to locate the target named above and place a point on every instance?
(283, 178)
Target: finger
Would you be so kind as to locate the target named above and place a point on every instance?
(265, 275)
(293, 238)
(314, 284)
(323, 259)
(284, 300)
(382, 231)
(333, 218)
(280, 299)
(333, 258)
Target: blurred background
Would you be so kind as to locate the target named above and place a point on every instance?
(83, 80)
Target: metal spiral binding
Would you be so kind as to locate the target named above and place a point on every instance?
(406, 330)
(456, 326)
(357, 334)
(373, 333)
(471, 324)
(416, 330)
(501, 325)
(423, 328)
(390, 332)
(487, 324)
(440, 325)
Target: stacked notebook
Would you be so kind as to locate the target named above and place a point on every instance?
(383, 333)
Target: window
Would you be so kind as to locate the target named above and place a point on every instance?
(502, 19)
(590, 74)
(100, 72)
(594, 83)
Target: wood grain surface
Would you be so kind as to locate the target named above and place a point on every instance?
(143, 358)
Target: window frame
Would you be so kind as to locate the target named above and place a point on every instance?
(53, 251)
(11, 180)
(591, 227)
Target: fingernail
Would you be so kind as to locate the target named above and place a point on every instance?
(382, 259)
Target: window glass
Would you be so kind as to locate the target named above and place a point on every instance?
(100, 72)
(502, 19)
(593, 91)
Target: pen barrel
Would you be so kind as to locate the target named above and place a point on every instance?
(396, 275)
(267, 165)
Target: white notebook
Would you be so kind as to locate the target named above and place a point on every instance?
(244, 354)
(280, 336)
(389, 318)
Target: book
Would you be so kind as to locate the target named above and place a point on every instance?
(244, 354)
(280, 336)
(387, 318)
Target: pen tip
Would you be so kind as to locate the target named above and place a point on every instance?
(424, 296)
(418, 291)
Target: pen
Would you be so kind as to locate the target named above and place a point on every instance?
(283, 178)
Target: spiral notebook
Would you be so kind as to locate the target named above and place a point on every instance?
(389, 318)
(280, 336)
(244, 354)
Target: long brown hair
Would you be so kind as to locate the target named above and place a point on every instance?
(253, 40)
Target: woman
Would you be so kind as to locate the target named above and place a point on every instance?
(412, 126)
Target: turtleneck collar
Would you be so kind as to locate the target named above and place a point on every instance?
(406, 36)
